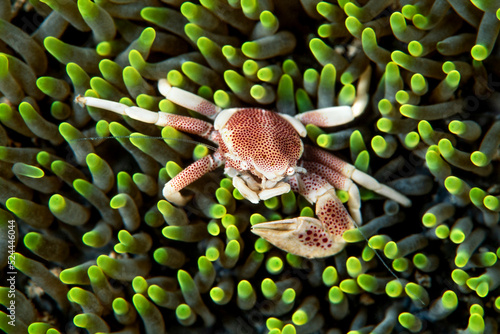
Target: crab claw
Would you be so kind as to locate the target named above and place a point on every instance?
(310, 237)
(302, 236)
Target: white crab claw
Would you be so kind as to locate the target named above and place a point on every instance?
(302, 236)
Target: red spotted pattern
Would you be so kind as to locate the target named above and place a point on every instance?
(264, 138)
(334, 216)
(330, 211)
(193, 172)
(315, 237)
(313, 118)
(294, 185)
(336, 179)
(335, 219)
(206, 108)
(309, 183)
(189, 125)
(315, 154)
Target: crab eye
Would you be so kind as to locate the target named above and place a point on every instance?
(290, 171)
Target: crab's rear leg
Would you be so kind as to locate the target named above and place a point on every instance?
(334, 116)
(312, 153)
(188, 100)
(306, 236)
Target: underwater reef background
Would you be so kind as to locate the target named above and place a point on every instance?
(87, 244)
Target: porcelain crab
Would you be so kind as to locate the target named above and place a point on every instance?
(263, 153)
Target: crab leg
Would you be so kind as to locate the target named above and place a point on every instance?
(326, 117)
(182, 123)
(338, 181)
(334, 116)
(306, 236)
(191, 173)
(188, 100)
(312, 153)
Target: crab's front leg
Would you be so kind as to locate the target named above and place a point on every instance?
(191, 173)
(171, 191)
(306, 236)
